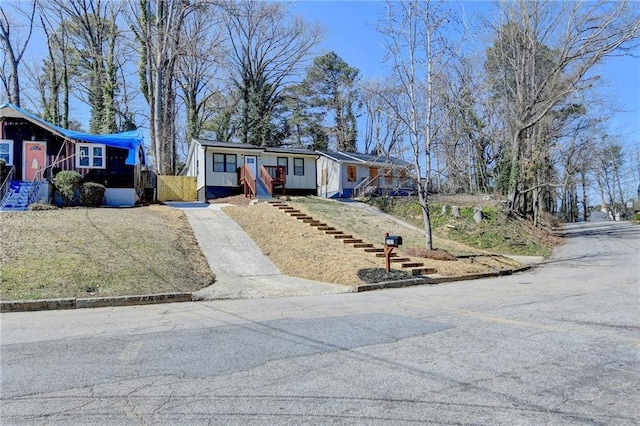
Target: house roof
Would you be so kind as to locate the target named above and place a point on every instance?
(246, 146)
(361, 158)
(131, 141)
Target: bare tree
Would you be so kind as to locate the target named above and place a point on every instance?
(420, 48)
(14, 47)
(384, 133)
(157, 25)
(268, 47)
(545, 52)
(198, 67)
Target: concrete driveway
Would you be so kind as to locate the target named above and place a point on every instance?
(241, 269)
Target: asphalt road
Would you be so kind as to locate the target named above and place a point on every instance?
(556, 345)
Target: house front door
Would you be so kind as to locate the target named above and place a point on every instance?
(373, 175)
(34, 160)
(251, 161)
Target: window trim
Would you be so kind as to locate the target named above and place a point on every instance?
(10, 143)
(353, 178)
(225, 163)
(91, 155)
(286, 166)
(296, 167)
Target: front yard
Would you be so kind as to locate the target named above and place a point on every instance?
(98, 252)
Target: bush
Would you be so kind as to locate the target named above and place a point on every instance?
(3, 170)
(91, 194)
(66, 183)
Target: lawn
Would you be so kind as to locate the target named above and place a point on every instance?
(300, 250)
(81, 252)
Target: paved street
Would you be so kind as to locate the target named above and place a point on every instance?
(557, 345)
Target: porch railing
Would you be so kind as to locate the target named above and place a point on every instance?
(363, 187)
(7, 182)
(248, 180)
(34, 188)
(273, 176)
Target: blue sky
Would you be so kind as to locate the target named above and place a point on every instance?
(351, 32)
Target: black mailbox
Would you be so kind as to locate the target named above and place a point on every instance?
(393, 241)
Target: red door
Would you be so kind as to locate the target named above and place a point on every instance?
(34, 160)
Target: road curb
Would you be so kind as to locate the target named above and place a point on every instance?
(438, 280)
(95, 302)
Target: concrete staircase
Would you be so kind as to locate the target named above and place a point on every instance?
(416, 268)
(17, 196)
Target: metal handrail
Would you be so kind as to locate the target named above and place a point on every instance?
(7, 182)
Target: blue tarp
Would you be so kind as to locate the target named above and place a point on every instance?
(131, 141)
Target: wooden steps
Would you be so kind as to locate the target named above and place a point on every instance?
(416, 268)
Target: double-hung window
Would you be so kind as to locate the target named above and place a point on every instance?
(6, 151)
(298, 166)
(352, 173)
(225, 163)
(91, 156)
(284, 161)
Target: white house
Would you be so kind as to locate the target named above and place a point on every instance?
(225, 168)
(351, 174)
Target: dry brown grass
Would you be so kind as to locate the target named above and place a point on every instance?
(99, 252)
(300, 250)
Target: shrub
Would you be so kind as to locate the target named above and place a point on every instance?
(638, 217)
(91, 194)
(3, 170)
(66, 183)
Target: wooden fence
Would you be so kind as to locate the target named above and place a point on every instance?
(177, 188)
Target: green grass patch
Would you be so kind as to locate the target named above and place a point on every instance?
(496, 233)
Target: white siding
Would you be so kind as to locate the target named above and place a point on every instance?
(332, 186)
(197, 168)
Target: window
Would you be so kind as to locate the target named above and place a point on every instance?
(6, 151)
(298, 166)
(388, 177)
(352, 175)
(225, 163)
(91, 156)
(284, 161)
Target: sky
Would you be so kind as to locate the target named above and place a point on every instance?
(350, 30)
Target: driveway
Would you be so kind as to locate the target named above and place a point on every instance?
(241, 269)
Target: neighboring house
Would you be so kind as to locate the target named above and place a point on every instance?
(224, 168)
(351, 174)
(36, 150)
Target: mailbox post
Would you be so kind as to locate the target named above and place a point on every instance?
(390, 242)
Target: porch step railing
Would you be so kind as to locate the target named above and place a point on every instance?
(365, 187)
(273, 176)
(7, 182)
(248, 181)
